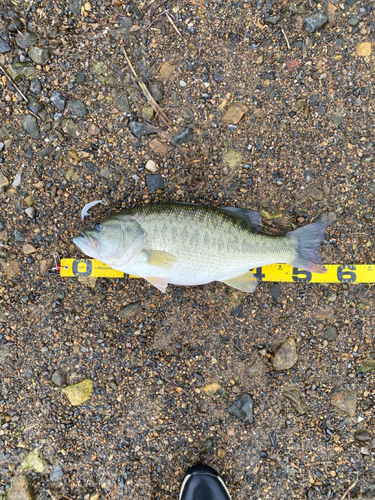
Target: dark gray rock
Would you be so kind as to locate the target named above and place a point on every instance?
(30, 124)
(28, 153)
(18, 236)
(57, 473)
(34, 105)
(353, 21)
(154, 182)
(138, 129)
(75, 7)
(321, 109)
(133, 8)
(126, 23)
(157, 91)
(130, 310)
(15, 26)
(58, 100)
(330, 334)
(35, 86)
(4, 46)
(59, 377)
(243, 408)
(362, 435)
(275, 291)
(26, 40)
(183, 137)
(45, 151)
(77, 108)
(315, 22)
(39, 55)
(351, 3)
(122, 104)
(259, 4)
(80, 78)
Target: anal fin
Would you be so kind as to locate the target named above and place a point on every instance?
(159, 283)
(245, 282)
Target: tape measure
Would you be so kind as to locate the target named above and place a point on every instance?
(336, 273)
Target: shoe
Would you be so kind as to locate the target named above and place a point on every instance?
(203, 483)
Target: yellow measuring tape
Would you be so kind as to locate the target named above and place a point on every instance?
(336, 273)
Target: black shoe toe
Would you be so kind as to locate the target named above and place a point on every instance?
(203, 483)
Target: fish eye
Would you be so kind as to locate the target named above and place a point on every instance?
(98, 227)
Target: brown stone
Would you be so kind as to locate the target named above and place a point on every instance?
(259, 113)
(345, 400)
(286, 355)
(20, 489)
(364, 49)
(235, 113)
(331, 13)
(3, 181)
(93, 129)
(294, 396)
(11, 268)
(291, 63)
(45, 264)
(158, 147)
(28, 249)
(166, 70)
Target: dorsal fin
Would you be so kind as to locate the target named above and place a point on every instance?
(250, 217)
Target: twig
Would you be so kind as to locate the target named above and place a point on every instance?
(349, 489)
(171, 21)
(18, 90)
(147, 94)
(148, 5)
(286, 38)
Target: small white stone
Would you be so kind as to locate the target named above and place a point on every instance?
(151, 166)
(360, 419)
(182, 83)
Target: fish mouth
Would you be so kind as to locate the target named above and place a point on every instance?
(85, 243)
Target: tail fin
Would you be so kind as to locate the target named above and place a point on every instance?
(306, 242)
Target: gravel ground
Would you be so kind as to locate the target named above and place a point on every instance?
(270, 106)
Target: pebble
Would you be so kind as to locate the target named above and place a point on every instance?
(151, 166)
(122, 104)
(233, 159)
(364, 49)
(79, 78)
(158, 147)
(59, 377)
(154, 182)
(362, 435)
(34, 105)
(331, 334)
(77, 108)
(29, 200)
(57, 473)
(183, 83)
(78, 393)
(20, 489)
(33, 461)
(148, 113)
(18, 70)
(345, 400)
(30, 212)
(242, 408)
(39, 55)
(4, 46)
(28, 153)
(139, 129)
(26, 40)
(69, 127)
(336, 119)
(3, 180)
(315, 22)
(93, 129)
(353, 21)
(58, 100)
(130, 310)
(212, 388)
(45, 151)
(235, 113)
(183, 137)
(157, 91)
(30, 124)
(28, 249)
(2, 320)
(294, 396)
(19, 236)
(15, 26)
(4, 352)
(286, 355)
(166, 70)
(275, 291)
(35, 86)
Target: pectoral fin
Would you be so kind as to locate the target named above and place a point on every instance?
(158, 258)
(159, 283)
(246, 282)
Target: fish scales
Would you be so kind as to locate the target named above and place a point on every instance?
(190, 244)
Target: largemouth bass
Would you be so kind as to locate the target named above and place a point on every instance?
(187, 244)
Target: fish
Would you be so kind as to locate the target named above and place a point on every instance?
(187, 244)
